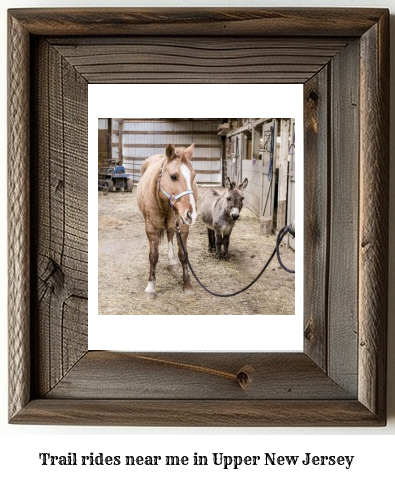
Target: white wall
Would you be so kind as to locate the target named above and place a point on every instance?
(373, 454)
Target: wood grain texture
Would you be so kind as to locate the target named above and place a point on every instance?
(343, 224)
(48, 263)
(255, 22)
(316, 212)
(18, 218)
(61, 234)
(212, 59)
(373, 227)
(202, 413)
(196, 376)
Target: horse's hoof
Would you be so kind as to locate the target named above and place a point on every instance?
(150, 295)
(188, 290)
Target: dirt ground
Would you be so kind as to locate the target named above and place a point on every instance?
(124, 268)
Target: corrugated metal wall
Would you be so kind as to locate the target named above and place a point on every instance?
(144, 138)
(103, 123)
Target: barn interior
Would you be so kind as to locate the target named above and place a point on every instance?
(259, 149)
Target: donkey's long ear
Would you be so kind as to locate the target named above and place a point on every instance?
(244, 184)
(228, 184)
(188, 153)
(170, 152)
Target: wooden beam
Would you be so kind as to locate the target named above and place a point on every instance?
(283, 173)
(145, 145)
(150, 132)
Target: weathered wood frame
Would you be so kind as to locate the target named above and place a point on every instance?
(340, 378)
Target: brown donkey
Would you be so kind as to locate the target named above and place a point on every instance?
(167, 186)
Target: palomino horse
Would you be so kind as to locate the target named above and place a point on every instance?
(167, 187)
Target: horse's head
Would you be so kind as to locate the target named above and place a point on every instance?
(234, 197)
(178, 181)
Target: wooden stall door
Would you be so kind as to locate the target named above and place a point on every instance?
(291, 184)
(269, 134)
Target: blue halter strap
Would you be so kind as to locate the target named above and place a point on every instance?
(173, 199)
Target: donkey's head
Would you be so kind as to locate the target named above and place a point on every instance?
(234, 197)
(178, 180)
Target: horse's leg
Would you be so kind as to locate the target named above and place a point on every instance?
(188, 289)
(225, 242)
(211, 240)
(153, 239)
(218, 243)
(170, 253)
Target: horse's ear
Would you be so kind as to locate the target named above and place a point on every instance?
(188, 153)
(228, 184)
(244, 184)
(170, 152)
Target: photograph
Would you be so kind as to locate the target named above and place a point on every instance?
(191, 211)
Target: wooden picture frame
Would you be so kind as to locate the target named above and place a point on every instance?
(342, 58)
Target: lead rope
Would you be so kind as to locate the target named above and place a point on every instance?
(284, 231)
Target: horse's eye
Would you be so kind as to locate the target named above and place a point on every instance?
(229, 199)
(173, 177)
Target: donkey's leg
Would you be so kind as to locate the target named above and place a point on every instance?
(188, 289)
(218, 243)
(153, 238)
(225, 242)
(170, 253)
(211, 240)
